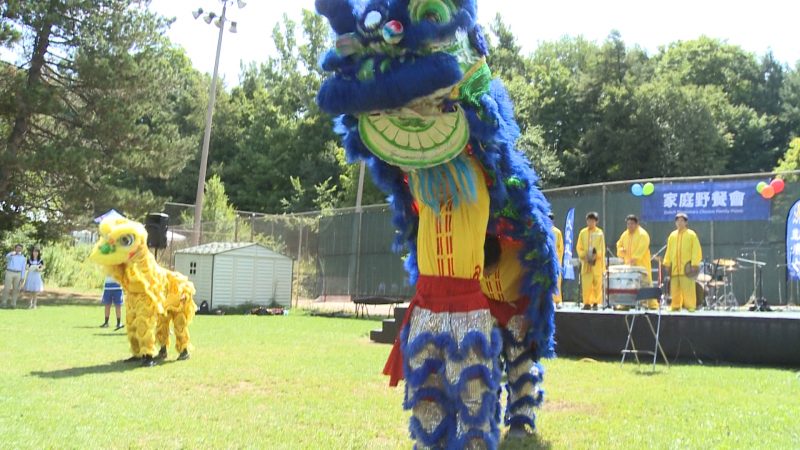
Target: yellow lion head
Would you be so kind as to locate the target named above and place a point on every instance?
(120, 241)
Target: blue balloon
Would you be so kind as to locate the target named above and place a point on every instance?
(637, 190)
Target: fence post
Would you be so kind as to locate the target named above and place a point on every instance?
(252, 227)
(603, 215)
(299, 266)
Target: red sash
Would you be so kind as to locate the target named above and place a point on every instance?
(438, 295)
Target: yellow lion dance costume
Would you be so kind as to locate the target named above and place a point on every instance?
(154, 296)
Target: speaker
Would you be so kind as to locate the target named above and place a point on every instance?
(156, 225)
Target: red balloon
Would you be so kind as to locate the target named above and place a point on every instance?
(768, 192)
(778, 185)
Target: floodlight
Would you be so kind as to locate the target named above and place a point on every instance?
(197, 13)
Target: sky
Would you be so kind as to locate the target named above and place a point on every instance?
(755, 26)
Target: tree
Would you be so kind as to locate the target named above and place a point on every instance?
(90, 108)
(710, 62)
(789, 115)
(271, 145)
(219, 218)
(791, 159)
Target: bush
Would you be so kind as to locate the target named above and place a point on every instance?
(68, 266)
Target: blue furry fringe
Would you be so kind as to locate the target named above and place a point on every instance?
(435, 185)
(518, 421)
(449, 394)
(425, 75)
(524, 208)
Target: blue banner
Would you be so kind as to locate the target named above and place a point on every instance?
(793, 242)
(716, 200)
(567, 269)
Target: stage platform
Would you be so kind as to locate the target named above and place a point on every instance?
(762, 338)
(741, 337)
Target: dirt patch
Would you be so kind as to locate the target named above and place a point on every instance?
(61, 296)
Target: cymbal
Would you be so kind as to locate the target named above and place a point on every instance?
(703, 278)
(725, 262)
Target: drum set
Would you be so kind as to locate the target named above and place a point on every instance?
(714, 284)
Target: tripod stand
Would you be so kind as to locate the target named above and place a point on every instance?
(759, 302)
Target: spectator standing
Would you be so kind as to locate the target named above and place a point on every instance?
(15, 270)
(33, 278)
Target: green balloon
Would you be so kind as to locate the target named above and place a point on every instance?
(648, 189)
(760, 186)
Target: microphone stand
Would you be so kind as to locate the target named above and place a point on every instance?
(661, 279)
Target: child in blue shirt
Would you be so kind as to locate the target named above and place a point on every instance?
(112, 293)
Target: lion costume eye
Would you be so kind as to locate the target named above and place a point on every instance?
(436, 11)
(126, 240)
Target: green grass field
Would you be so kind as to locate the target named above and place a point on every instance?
(311, 382)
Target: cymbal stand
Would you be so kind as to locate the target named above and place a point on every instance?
(714, 274)
(758, 300)
(729, 300)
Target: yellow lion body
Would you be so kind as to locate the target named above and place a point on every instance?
(154, 296)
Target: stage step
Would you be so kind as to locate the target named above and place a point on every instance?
(388, 333)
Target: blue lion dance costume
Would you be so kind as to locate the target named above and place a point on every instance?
(416, 100)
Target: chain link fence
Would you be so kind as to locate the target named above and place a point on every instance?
(344, 253)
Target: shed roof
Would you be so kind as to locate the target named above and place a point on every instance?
(215, 248)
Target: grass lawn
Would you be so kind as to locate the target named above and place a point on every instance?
(311, 382)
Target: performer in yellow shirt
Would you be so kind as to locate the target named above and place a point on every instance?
(633, 247)
(557, 297)
(591, 249)
(683, 249)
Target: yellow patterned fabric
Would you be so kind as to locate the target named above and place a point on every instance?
(503, 284)
(450, 240)
(154, 296)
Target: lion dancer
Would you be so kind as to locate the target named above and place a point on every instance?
(154, 296)
(416, 100)
(503, 275)
(449, 344)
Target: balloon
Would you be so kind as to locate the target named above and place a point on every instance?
(778, 185)
(760, 186)
(768, 192)
(636, 190)
(648, 189)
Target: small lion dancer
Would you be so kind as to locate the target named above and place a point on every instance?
(154, 295)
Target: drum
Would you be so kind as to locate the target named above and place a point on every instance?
(614, 261)
(700, 293)
(624, 283)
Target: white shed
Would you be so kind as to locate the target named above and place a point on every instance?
(231, 274)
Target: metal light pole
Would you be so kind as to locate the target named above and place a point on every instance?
(212, 96)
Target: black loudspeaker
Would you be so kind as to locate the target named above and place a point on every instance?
(156, 225)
